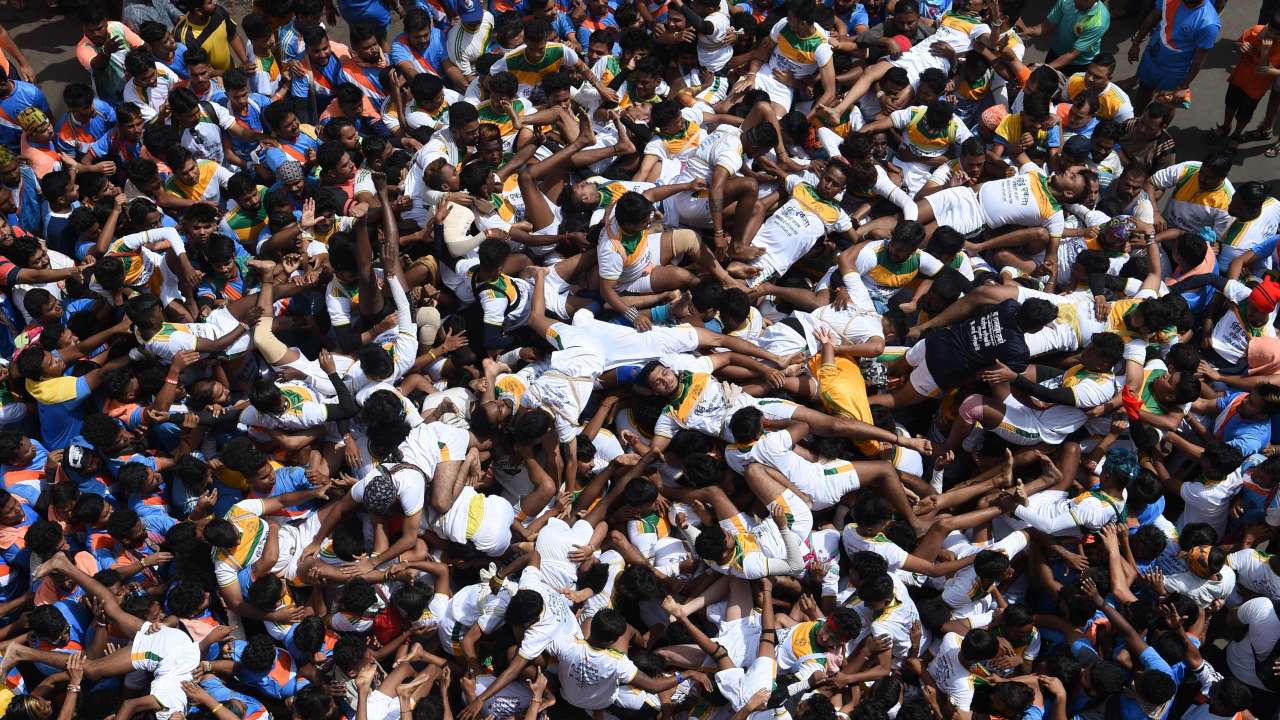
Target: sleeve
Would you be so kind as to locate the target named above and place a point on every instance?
(494, 306)
(608, 261)
(570, 57)
(1166, 178)
(83, 391)
(823, 55)
(1055, 224)
(859, 17)
(940, 174)
(1264, 249)
(1151, 660)
(412, 496)
(224, 573)
(665, 426)
(729, 156)
(85, 52)
(1053, 138)
(886, 188)
(930, 265)
(1055, 14)
(1006, 129)
(900, 118)
(865, 261)
(399, 54)
(224, 118)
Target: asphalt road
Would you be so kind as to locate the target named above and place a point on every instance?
(49, 43)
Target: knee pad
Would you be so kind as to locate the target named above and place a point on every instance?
(971, 409)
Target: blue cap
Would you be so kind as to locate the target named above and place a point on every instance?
(470, 11)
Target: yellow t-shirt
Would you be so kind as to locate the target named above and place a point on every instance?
(217, 44)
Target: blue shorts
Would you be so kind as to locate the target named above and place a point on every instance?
(1163, 69)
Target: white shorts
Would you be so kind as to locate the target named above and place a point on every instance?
(914, 175)
(179, 658)
(687, 209)
(382, 707)
(799, 516)
(1026, 426)
(624, 346)
(957, 208)
(227, 324)
(740, 638)
(838, 480)
(779, 94)
(921, 379)
(555, 293)
(492, 534)
(916, 63)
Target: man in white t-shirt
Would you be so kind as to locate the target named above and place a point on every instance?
(594, 669)
(1257, 626)
(169, 655)
(812, 212)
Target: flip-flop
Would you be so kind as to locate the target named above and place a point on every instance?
(1273, 151)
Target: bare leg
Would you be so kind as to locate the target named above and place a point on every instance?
(741, 602)
(446, 485)
(712, 595)
(883, 476)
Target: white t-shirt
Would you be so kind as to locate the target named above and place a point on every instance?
(408, 482)
(788, 57)
(716, 50)
(590, 676)
(953, 678)
(1209, 503)
(883, 279)
(554, 542)
(792, 231)
(1264, 631)
(1254, 573)
(722, 148)
(205, 139)
(556, 620)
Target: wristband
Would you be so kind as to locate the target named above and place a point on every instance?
(214, 710)
(171, 380)
(73, 688)
(631, 314)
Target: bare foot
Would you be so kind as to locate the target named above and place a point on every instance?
(1049, 468)
(1005, 479)
(417, 653)
(13, 654)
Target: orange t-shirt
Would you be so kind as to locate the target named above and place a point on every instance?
(1244, 75)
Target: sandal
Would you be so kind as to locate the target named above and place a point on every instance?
(1273, 151)
(1219, 133)
(1256, 135)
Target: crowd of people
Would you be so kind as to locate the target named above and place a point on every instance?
(598, 360)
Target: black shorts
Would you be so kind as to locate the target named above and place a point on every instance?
(1244, 105)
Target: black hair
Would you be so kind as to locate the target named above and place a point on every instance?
(526, 606)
